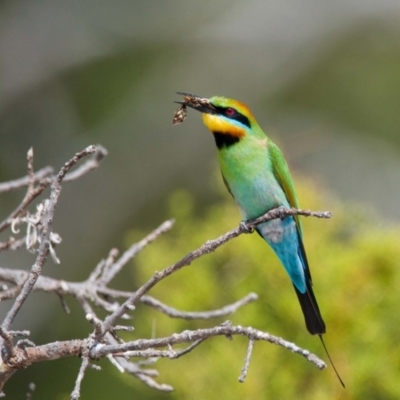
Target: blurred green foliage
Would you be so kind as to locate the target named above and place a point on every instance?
(356, 272)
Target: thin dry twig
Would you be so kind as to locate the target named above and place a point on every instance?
(8, 344)
(188, 349)
(145, 376)
(47, 172)
(147, 348)
(96, 323)
(99, 153)
(246, 365)
(207, 247)
(29, 197)
(104, 341)
(24, 181)
(13, 244)
(190, 336)
(45, 239)
(87, 289)
(10, 293)
(221, 312)
(136, 248)
(123, 365)
(77, 389)
(31, 193)
(44, 177)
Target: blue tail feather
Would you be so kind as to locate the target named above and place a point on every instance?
(284, 238)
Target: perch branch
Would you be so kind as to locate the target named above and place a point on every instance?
(147, 347)
(104, 341)
(225, 329)
(207, 247)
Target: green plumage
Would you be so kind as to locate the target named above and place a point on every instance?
(257, 176)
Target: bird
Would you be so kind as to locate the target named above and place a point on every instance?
(257, 176)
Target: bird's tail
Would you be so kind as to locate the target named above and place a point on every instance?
(314, 322)
(312, 316)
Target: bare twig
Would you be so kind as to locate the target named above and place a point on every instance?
(201, 334)
(103, 265)
(64, 304)
(13, 244)
(31, 193)
(123, 328)
(188, 349)
(8, 344)
(170, 353)
(29, 197)
(47, 172)
(136, 248)
(44, 178)
(124, 365)
(104, 340)
(96, 323)
(174, 313)
(21, 182)
(76, 393)
(145, 376)
(10, 293)
(19, 333)
(24, 343)
(246, 365)
(207, 247)
(146, 348)
(31, 174)
(45, 239)
(91, 164)
(87, 288)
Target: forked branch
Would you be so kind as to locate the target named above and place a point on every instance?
(104, 340)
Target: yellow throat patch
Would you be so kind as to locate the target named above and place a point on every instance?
(217, 124)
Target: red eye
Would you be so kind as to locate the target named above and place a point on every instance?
(230, 112)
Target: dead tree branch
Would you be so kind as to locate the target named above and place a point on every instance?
(44, 247)
(24, 181)
(206, 248)
(104, 341)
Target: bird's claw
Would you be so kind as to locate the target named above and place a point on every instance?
(282, 213)
(244, 228)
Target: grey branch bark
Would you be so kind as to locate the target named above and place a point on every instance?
(45, 240)
(94, 291)
(206, 248)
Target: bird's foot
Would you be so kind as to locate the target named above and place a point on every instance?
(282, 212)
(244, 228)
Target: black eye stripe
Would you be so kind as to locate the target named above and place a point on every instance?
(236, 116)
(242, 119)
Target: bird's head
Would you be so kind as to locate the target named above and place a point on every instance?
(222, 115)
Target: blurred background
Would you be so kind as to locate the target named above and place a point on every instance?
(323, 78)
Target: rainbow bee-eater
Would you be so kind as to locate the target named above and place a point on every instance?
(257, 176)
